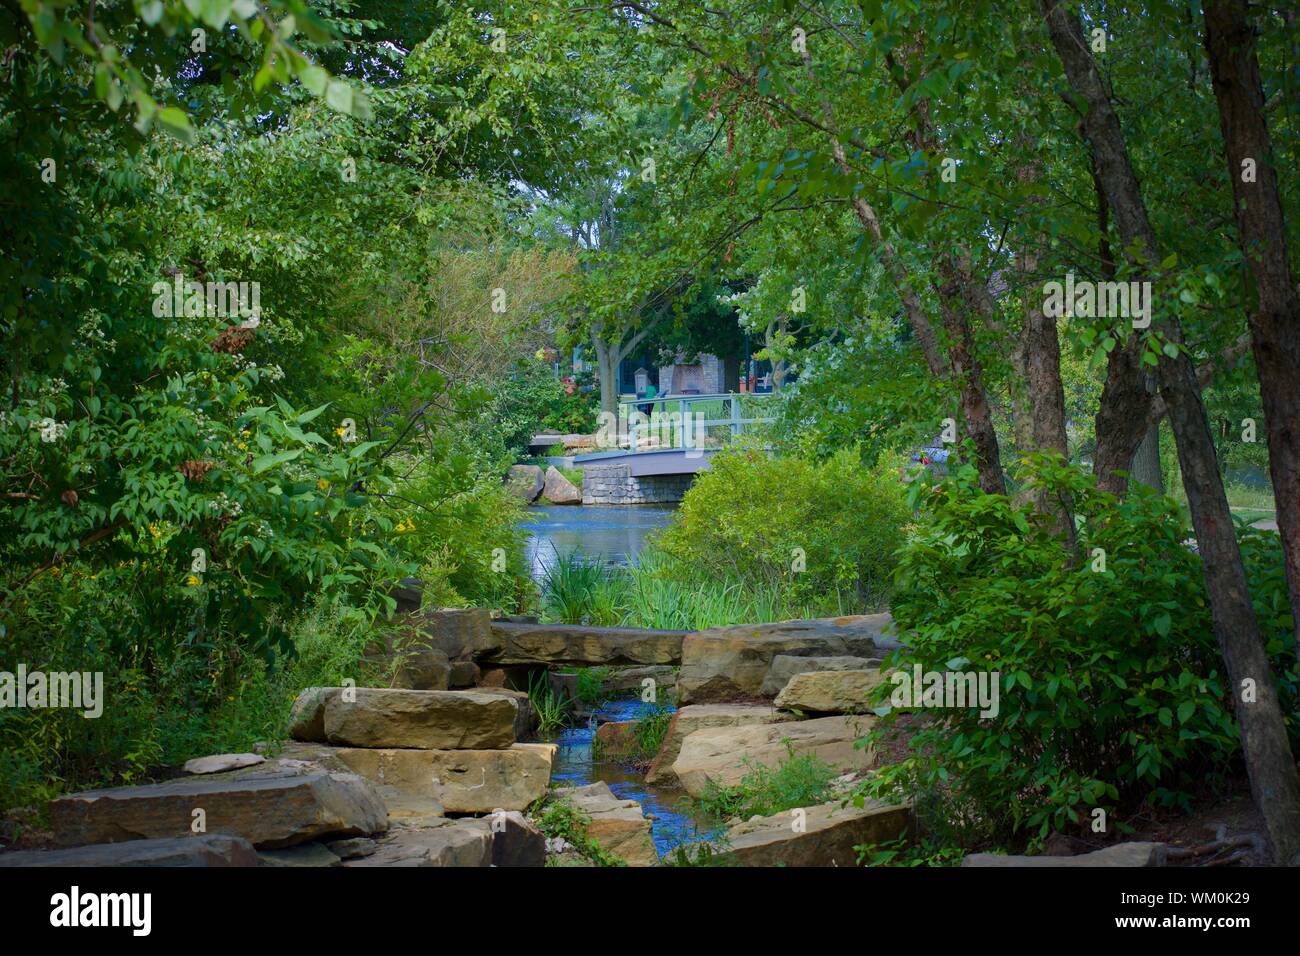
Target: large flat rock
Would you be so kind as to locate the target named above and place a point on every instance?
(428, 719)
(830, 692)
(457, 781)
(723, 755)
(583, 646)
(687, 720)
(447, 843)
(732, 663)
(208, 849)
(618, 825)
(1121, 854)
(822, 835)
(786, 666)
(269, 811)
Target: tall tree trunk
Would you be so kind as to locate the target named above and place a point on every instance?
(1145, 469)
(1275, 320)
(1127, 393)
(976, 411)
(1270, 764)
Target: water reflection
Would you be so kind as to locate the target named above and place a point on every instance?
(616, 533)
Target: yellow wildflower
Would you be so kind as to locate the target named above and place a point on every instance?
(193, 580)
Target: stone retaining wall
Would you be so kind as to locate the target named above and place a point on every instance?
(615, 485)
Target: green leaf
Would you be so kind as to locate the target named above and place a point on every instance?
(270, 461)
(338, 95)
(315, 79)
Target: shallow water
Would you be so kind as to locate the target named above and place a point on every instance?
(672, 823)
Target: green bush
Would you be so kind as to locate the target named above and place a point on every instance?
(1112, 688)
(816, 532)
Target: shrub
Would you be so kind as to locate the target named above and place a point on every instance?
(1112, 689)
(817, 532)
(801, 780)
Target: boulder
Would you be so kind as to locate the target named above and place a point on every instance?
(723, 755)
(408, 593)
(352, 848)
(583, 646)
(732, 663)
(269, 811)
(614, 738)
(450, 843)
(461, 633)
(785, 666)
(516, 840)
(822, 835)
(632, 680)
(302, 855)
(208, 849)
(307, 717)
(458, 781)
(419, 668)
(687, 720)
(425, 719)
(1121, 854)
(525, 715)
(462, 674)
(219, 763)
(559, 490)
(617, 825)
(525, 482)
(829, 692)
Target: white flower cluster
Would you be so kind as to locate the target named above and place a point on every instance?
(223, 505)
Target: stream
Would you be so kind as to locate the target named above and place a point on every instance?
(616, 534)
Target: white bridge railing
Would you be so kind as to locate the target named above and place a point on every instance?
(681, 422)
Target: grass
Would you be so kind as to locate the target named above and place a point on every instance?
(552, 709)
(655, 593)
(801, 780)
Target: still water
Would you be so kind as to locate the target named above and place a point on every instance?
(616, 533)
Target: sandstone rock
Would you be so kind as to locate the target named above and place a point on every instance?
(270, 811)
(525, 482)
(613, 738)
(583, 646)
(408, 593)
(307, 718)
(209, 849)
(829, 834)
(448, 844)
(1121, 854)
(353, 848)
(219, 763)
(428, 719)
(729, 663)
(718, 755)
(829, 692)
(461, 633)
(631, 679)
(617, 825)
(687, 720)
(786, 666)
(525, 717)
(303, 855)
(516, 840)
(462, 674)
(421, 668)
(559, 490)
(460, 781)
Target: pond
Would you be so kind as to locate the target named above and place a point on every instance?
(616, 533)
